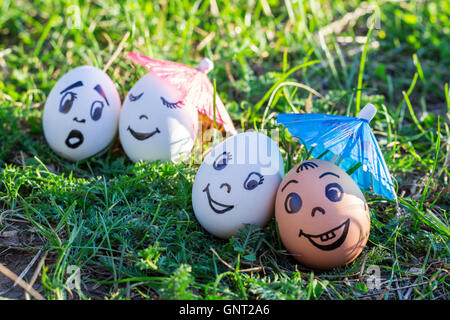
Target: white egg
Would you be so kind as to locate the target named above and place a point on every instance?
(237, 183)
(81, 113)
(155, 124)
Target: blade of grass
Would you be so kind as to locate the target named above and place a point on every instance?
(433, 169)
(288, 83)
(282, 79)
(44, 34)
(428, 218)
(408, 93)
(418, 67)
(412, 113)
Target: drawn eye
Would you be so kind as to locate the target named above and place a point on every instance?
(253, 180)
(172, 105)
(134, 98)
(96, 110)
(222, 161)
(334, 192)
(66, 102)
(293, 203)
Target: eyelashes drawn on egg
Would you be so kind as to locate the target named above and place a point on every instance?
(253, 180)
(307, 165)
(68, 98)
(168, 104)
(67, 101)
(222, 160)
(172, 105)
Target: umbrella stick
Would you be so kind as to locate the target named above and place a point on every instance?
(333, 160)
(367, 113)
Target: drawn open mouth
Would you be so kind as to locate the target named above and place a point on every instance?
(143, 135)
(74, 139)
(320, 240)
(217, 206)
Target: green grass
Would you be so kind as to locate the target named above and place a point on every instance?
(130, 228)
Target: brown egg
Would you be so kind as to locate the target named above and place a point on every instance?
(322, 215)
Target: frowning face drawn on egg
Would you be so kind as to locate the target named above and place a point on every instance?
(154, 122)
(81, 113)
(322, 215)
(236, 184)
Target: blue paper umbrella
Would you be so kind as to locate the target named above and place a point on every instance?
(350, 139)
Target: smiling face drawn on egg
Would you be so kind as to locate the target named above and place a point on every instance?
(81, 113)
(154, 122)
(251, 182)
(322, 215)
(236, 184)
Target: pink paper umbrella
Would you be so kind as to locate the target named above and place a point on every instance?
(193, 83)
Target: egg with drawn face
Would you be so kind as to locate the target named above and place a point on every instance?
(322, 215)
(81, 113)
(236, 184)
(155, 124)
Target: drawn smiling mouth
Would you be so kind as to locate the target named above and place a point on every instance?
(74, 139)
(216, 206)
(326, 236)
(142, 135)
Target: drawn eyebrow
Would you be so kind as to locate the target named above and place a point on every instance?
(73, 85)
(99, 89)
(328, 173)
(134, 98)
(291, 181)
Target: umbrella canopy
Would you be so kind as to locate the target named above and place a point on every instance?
(193, 83)
(349, 138)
